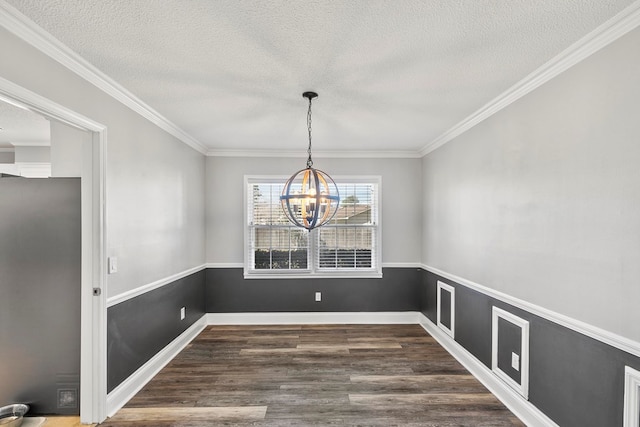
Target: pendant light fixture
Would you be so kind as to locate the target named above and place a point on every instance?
(310, 197)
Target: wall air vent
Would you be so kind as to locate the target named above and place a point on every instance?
(67, 398)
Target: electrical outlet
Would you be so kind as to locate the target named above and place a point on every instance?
(515, 361)
(113, 264)
(318, 296)
(183, 313)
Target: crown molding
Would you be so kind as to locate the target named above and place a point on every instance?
(317, 154)
(619, 25)
(27, 30)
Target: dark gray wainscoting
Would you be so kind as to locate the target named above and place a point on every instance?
(40, 254)
(141, 327)
(228, 292)
(509, 341)
(574, 379)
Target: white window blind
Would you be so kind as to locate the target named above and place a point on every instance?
(348, 245)
(349, 240)
(274, 243)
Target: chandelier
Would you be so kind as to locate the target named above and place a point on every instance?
(310, 198)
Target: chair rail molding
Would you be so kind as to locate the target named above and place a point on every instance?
(610, 338)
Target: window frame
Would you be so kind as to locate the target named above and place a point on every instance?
(313, 270)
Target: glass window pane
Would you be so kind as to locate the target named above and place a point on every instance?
(345, 247)
(348, 242)
(356, 204)
(364, 253)
(327, 247)
(266, 208)
(280, 248)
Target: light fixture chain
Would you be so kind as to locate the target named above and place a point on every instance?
(310, 198)
(309, 161)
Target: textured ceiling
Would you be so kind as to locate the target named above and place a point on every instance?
(391, 75)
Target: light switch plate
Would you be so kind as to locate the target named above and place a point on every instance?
(515, 361)
(113, 265)
(183, 313)
(318, 296)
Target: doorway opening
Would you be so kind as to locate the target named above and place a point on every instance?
(93, 245)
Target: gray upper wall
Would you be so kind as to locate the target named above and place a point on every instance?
(155, 183)
(401, 209)
(542, 200)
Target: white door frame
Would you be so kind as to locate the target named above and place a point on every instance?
(93, 317)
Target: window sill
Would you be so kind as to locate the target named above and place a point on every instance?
(323, 275)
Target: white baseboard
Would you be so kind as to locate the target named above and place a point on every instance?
(522, 408)
(313, 318)
(129, 387)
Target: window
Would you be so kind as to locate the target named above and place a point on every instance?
(347, 246)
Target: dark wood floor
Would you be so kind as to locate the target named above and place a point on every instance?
(310, 375)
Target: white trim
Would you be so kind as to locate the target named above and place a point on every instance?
(33, 169)
(319, 154)
(117, 299)
(608, 32)
(416, 265)
(520, 407)
(7, 150)
(134, 383)
(21, 26)
(93, 330)
(614, 340)
(372, 274)
(31, 144)
(313, 270)
(31, 101)
(9, 169)
(498, 313)
(631, 397)
(246, 235)
(452, 309)
(224, 265)
(314, 318)
(94, 319)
